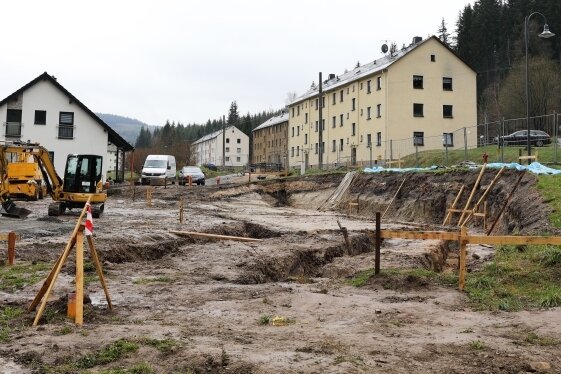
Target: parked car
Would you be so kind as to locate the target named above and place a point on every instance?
(211, 167)
(196, 174)
(538, 138)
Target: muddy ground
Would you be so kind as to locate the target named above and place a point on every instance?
(213, 302)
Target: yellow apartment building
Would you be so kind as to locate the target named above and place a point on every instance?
(270, 141)
(418, 98)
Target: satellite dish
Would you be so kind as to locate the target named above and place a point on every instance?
(384, 48)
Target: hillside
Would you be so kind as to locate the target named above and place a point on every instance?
(128, 128)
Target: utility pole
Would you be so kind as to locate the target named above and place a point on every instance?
(223, 141)
(320, 122)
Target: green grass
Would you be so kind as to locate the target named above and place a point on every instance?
(477, 345)
(264, 319)
(165, 346)
(107, 354)
(142, 368)
(517, 280)
(13, 278)
(9, 317)
(550, 188)
(162, 279)
(363, 277)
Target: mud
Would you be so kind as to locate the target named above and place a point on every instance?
(209, 297)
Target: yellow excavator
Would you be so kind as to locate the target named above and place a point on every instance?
(82, 179)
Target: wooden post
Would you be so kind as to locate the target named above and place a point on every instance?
(505, 204)
(483, 197)
(99, 270)
(485, 215)
(377, 242)
(463, 256)
(448, 217)
(190, 181)
(472, 194)
(345, 236)
(79, 319)
(181, 209)
(11, 248)
(394, 196)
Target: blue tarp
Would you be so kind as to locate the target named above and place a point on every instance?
(534, 167)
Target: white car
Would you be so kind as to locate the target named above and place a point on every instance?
(196, 174)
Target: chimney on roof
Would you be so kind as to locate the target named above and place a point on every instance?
(331, 76)
(417, 39)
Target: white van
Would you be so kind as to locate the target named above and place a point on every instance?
(158, 169)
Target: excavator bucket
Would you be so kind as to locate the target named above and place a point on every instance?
(9, 209)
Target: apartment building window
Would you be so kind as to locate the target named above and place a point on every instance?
(238, 159)
(227, 140)
(333, 122)
(378, 139)
(418, 138)
(432, 58)
(293, 131)
(368, 87)
(238, 150)
(317, 104)
(323, 102)
(341, 145)
(292, 152)
(306, 118)
(227, 158)
(227, 149)
(353, 104)
(239, 141)
(40, 117)
(322, 147)
(447, 111)
(341, 120)
(341, 96)
(317, 146)
(361, 86)
(368, 113)
(297, 130)
(317, 129)
(305, 138)
(447, 84)
(293, 112)
(353, 129)
(369, 140)
(379, 110)
(334, 98)
(448, 139)
(334, 146)
(379, 83)
(66, 125)
(298, 110)
(417, 81)
(417, 110)
(323, 124)
(297, 150)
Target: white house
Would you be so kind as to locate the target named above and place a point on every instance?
(44, 112)
(209, 149)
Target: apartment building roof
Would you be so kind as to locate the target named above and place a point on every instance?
(362, 71)
(212, 135)
(273, 121)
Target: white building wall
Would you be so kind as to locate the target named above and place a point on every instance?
(89, 136)
(237, 154)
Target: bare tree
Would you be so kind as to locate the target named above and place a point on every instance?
(290, 97)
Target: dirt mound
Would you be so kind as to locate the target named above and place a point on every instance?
(146, 248)
(398, 282)
(244, 230)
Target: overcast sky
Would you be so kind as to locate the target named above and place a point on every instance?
(187, 61)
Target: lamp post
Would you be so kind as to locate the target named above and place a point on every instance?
(545, 34)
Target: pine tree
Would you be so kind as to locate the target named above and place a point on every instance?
(233, 115)
(443, 34)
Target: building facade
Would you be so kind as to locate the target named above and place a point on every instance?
(209, 149)
(270, 141)
(413, 99)
(44, 112)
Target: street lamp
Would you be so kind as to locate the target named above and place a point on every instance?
(545, 34)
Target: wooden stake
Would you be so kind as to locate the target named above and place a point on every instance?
(483, 197)
(394, 196)
(472, 193)
(345, 236)
(149, 196)
(506, 203)
(463, 256)
(181, 209)
(448, 217)
(79, 319)
(378, 244)
(99, 270)
(11, 248)
(214, 236)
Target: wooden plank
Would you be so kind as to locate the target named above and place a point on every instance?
(345, 237)
(5, 237)
(453, 206)
(498, 240)
(377, 242)
(99, 270)
(463, 256)
(214, 236)
(484, 196)
(394, 196)
(434, 235)
(11, 248)
(472, 193)
(506, 202)
(79, 319)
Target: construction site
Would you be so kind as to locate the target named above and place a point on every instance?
(328, 273)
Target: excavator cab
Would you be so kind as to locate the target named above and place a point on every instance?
(82, 173)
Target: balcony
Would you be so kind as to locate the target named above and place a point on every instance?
(12, 129)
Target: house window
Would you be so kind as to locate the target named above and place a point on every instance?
(368, 113)
(239, 141)
(447, 111)
(369, 140)
(447, 84)
(418, 138)
(238, 150)
(379, 83)
(333, 121)
(379, 110)
(334, 98)
(353, 129)
(341, 120)
(448, 139)
(368, 87)
(13, 123)
(238, 159)
(227, 149)
(334, 146)
(306, 118)
(341, 96)
(417, 81)
(305, 138)
(417, 110)
(341, 144)
(66, 125)
(40, 117)
(378, 139)
(317, 146)
(227, 140)
(433, 58)
(353, 105)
